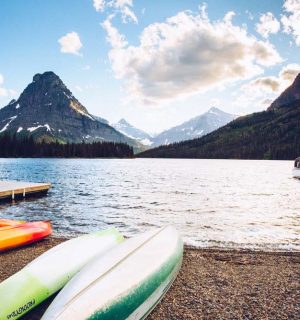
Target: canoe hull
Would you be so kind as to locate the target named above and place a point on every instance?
(126, 283)
(51, 271)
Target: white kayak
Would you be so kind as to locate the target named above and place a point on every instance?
(125, 283)
(51, 271)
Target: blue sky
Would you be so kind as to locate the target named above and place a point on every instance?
(155, 63)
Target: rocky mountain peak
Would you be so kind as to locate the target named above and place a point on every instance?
(46, 82)
(47, 110)
(124, 122)
(48, 92)
(215, 109)
(48, 76)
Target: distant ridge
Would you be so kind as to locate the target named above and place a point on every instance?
(196, 127)
(270, 134)
(130, 131)
(193, 128)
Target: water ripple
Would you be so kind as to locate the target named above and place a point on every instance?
(214, 203)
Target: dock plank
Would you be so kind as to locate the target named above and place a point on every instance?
(12, 189)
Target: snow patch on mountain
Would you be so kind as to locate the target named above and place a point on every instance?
(132, 132)
(8, 123)
(31, 129)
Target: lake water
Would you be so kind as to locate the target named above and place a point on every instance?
(214, 203)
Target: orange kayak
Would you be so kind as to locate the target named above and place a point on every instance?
(9, 223)
(13, 236)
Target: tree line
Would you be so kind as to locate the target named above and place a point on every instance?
(26, 147)
(271, 134)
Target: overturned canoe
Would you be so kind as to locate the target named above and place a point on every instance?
(18, 234)
(125, 283)
(51, 271)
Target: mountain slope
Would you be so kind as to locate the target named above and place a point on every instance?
(271, 134)
(129, 130)
(291, 94)
(196, 127)
(47, 110)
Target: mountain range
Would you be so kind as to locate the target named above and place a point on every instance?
(48, 111)
(129, 130)
(270, 134)
(196, 127)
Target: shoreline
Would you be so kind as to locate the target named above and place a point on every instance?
(235, 249)
(214, 283)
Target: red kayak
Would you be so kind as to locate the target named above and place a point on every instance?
(23, 233)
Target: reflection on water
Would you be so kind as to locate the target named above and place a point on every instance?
(223, 203)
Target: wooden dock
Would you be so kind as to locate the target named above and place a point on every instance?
(19, 189)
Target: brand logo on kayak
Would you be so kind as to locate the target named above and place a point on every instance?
(21, 310)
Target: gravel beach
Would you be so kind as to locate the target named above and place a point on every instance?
(212, 284)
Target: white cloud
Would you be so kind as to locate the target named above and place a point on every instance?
(78, 88)
(124, 7)
(128, 14)
(70, 43)
(291, 20)
(185, 55)
(228, 16)
(277, 84)
(99, 5)
(4, 92)
(267, 24)
(265, 84)
(289, 72)
(263, 90)
(116, 39)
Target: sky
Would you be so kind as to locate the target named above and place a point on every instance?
(154, 63)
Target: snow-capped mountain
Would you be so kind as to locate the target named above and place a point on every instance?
(211, 120)
(47, 110)
(130, 131)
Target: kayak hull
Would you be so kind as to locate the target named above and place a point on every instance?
(20, 234)
(126, 283)
(51, 271)
(9, 223)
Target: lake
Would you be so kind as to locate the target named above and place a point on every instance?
(214, 203)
